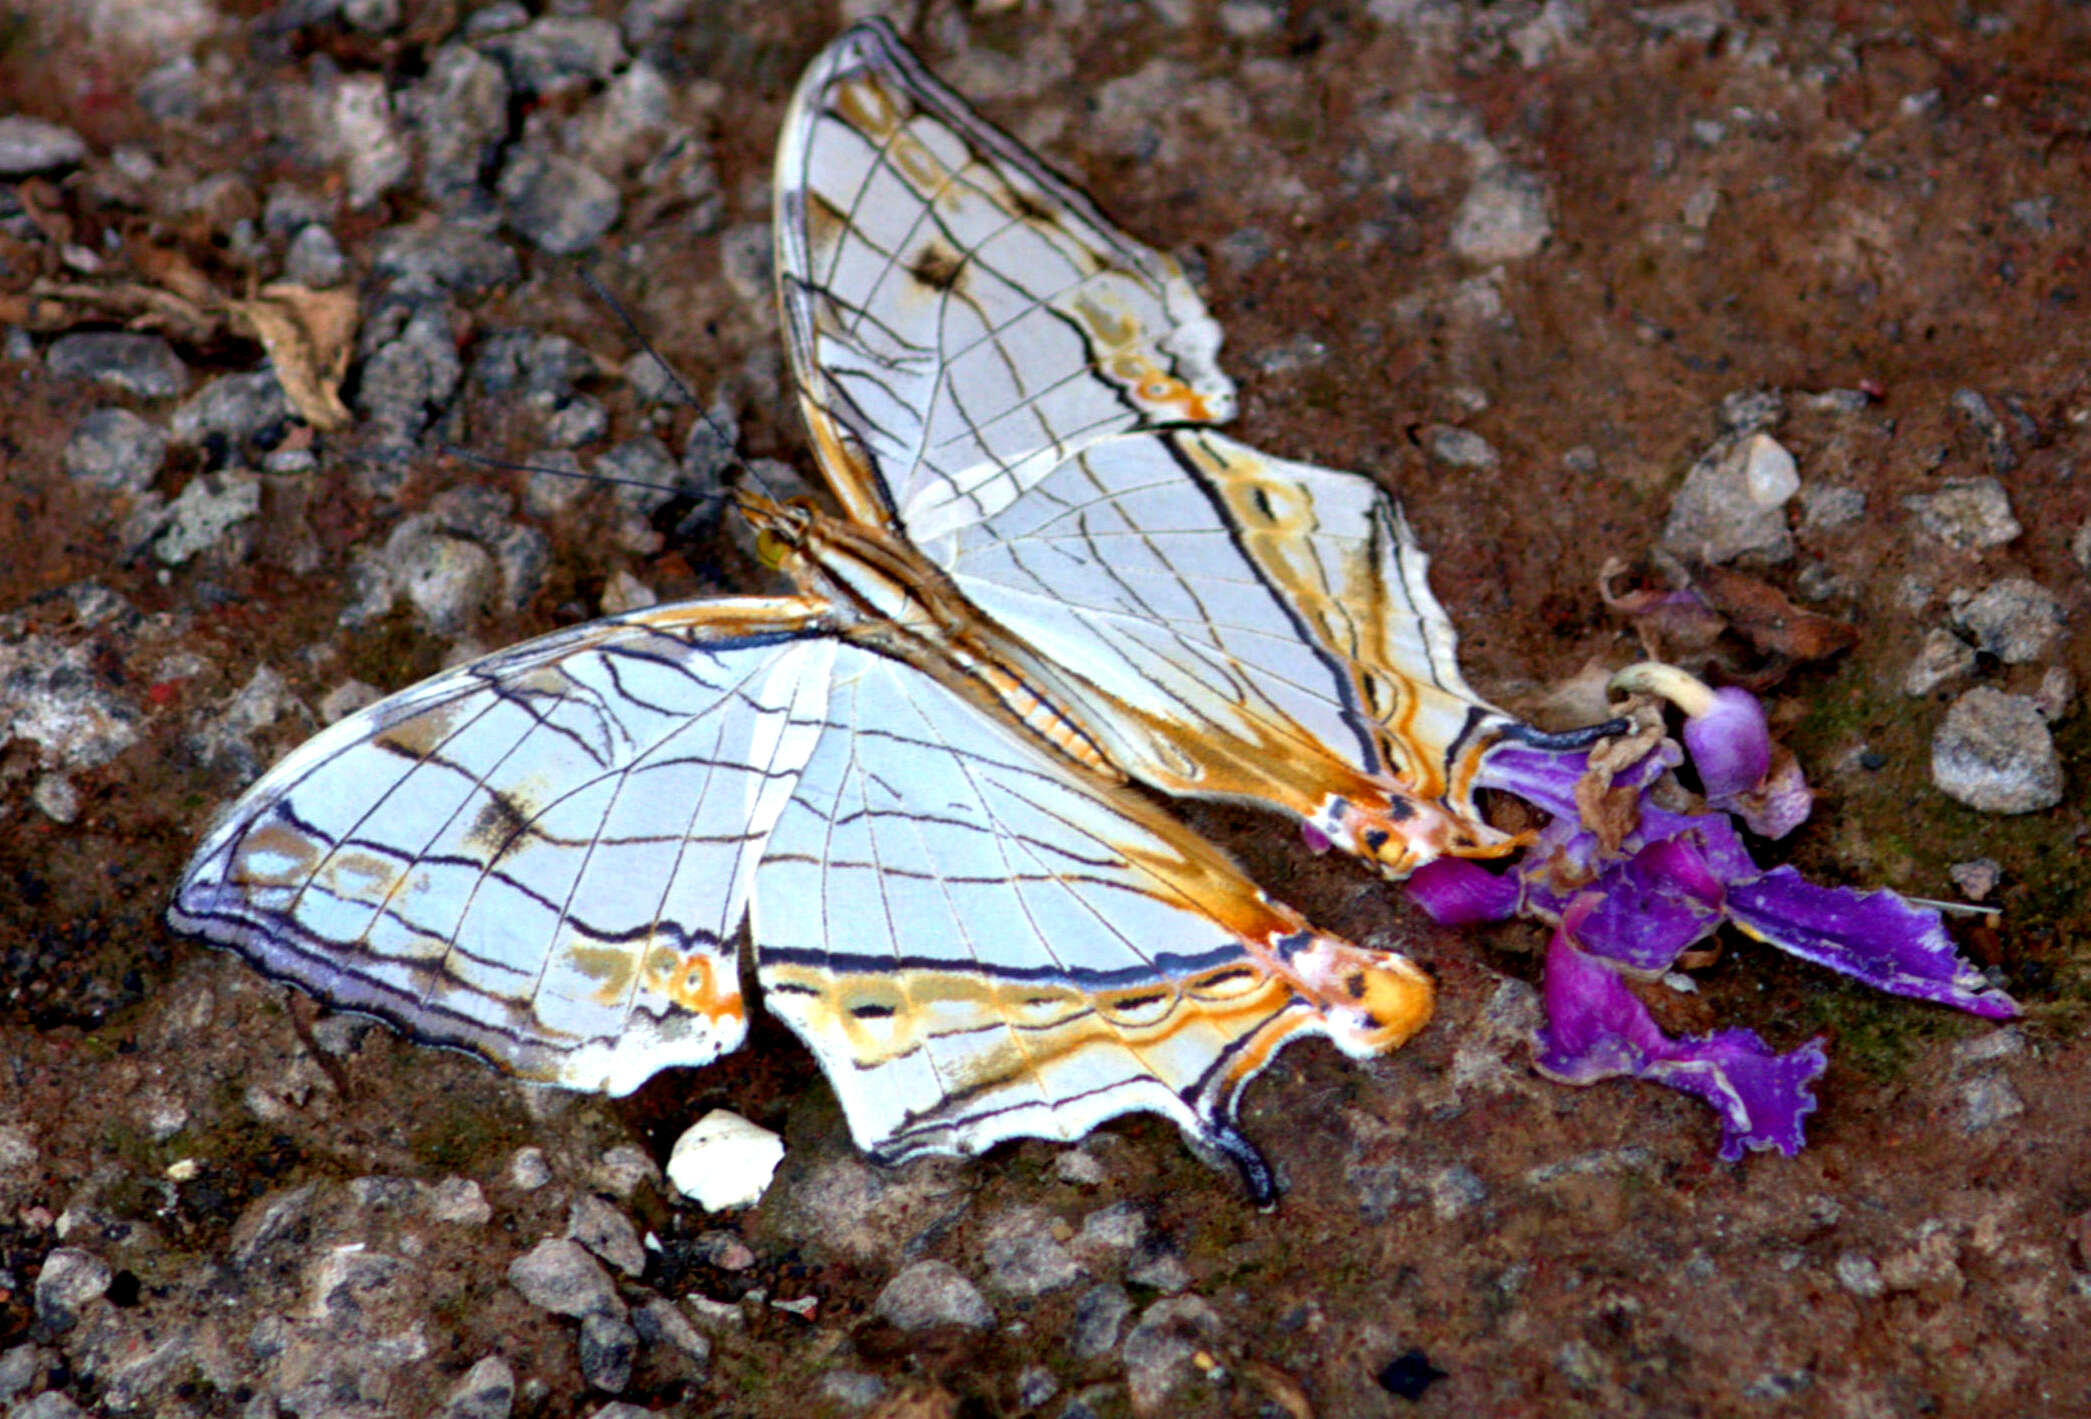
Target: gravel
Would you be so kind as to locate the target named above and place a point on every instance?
(1968, 515)
(557, 1275)
(115, 449)
(1994, 752)
(144, 365)
(932, 1293)
(2015, 619)
(33, 145)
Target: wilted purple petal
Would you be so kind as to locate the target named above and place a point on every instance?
(1598, 1029)
(1877, 938)
(1730, 743)
(1761, 1095)
(1459, 893)
(1644, 911)
(1778, 805)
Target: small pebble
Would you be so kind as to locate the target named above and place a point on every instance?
(1969, 515)
(608, 1348)
(114, 448)
(1502, 218)
(1976, 879)
(2015, 619)
(607, 1232)
(486, 1392)
(931, 1293)
(557, 1275)
(1994, 753)
(527, 1170)
(724, 1161)
(1943, 657)
(144, 365)
(32, 145)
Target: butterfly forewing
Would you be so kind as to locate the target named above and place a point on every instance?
(953, 310)
(543, 856)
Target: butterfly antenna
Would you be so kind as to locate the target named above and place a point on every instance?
(546, 471)
(689, 395)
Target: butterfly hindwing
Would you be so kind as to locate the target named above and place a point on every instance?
(980, 941)
(543, 856)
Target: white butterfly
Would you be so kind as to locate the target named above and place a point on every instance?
(910, 778)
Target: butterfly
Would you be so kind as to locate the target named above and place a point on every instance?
(1051, 579)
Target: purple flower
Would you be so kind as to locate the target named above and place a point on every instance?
(1597, 1029)
(1632, 885)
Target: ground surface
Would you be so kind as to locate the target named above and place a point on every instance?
(215, 1199)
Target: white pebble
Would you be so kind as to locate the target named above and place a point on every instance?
(724, 1161)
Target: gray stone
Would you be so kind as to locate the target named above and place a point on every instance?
(486, 1392)
(2015, 620)
(233, 407)
(852, 1389)
(561, 204)
(115, 449)
(745, 260)
(1829, 507)
(527, 1170)
(1975, 411)
(31, 145)
(932, 1293)
(661, 1325)
(363, 133)
(2055, 693)
(2080, 546)
(1034, 1386)
(56, 797)
(1968, 514)
(608, 1348)
(1749, 411)
(558, 1275)
(211, 505)
(1987, 1102)
(1160, 1268)
(601, 1228)
(408, 380)
(1943, 657)
(51, 694)
(1119, 1228)
(1159, 1351)
(1994, 752)
(450, 581)
(430, 256)
(1023, 1256)
(1100, 1313)
(144, 365)
(1461, 448)
(1732, 503)
(51, 1404)
(1455, 1189)
(1858, 1274)
(1976, 878)
(461, 112)
(530, 365)
(580, 420)
(558, 52)
(70, 1278)
(1502, 218)
(22, 1368)
(372, 16)
(456, 1200)
(314, 258)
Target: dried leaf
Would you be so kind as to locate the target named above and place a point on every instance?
(309, 335)
(1764, 616)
